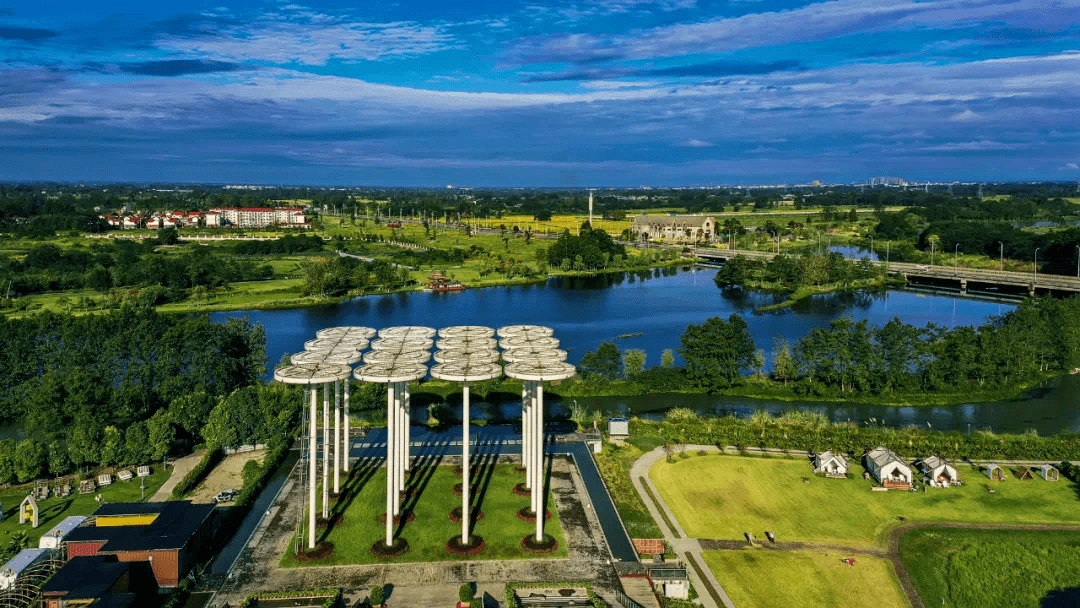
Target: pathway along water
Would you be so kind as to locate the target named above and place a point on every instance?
(650, 310)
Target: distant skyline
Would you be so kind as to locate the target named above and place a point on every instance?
(563, 93)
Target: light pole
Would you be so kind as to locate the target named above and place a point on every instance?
(956, 258)
(1001, 255)
(1036, 268)
(1078, 261)
(931, 253)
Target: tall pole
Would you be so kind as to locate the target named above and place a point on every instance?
(1001, 256)
(465, 493)
(538, 487)
(397, 450)
(956, 258)
(326, 451)
(406, 428)
(345, 431)
(312, 451)
(526, 434)
(1036, 267)
(337, 437)
(391, 388)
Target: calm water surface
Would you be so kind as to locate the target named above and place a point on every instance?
(650, 310)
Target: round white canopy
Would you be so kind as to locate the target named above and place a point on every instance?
(353, 331)
(472, 356)
(524, 330)
(377, 372)
(525, 342)
(347, 357)
(398, 345)
(387, 357)
(407, 331)
(540, 372)
(466, 331)
(356, 343)
(533, 354)
(465, 371)
(312, 373)
(466, 343)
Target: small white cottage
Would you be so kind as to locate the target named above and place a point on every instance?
(888, 469)
(832, 465)
(1049, 472)
(937, 472)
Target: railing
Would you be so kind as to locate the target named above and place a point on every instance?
(625, 601)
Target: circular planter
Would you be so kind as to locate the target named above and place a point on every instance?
(548, 545)
(521, 490)
(334, 521)
(322, 550)
(474, 547)
(380, 550)
(457, 470)
(455, 515)
(526, 514)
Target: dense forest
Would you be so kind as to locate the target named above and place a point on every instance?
(127, 387)
(789, 272)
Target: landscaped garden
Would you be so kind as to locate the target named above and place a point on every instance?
(54, 510)
(977, 568)
(428, 524)
(797, 579)
(717, 496)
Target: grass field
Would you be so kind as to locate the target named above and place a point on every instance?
(810, 579)
(53, 510)
(978, 568)
(723, 496)
(427, 534)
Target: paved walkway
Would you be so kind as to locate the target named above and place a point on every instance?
(711, 593)
(180, 468)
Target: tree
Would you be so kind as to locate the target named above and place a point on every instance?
(112, 446)
(161, 433)
(136, 443)
(30, 460)
(667, 358)
(466, 593)
(7, 461)
(784, 368)
(716, 351)
(633, 362)
(99, 279)
(84, 443)
(59, 463)
(377, 595)
(602, 364)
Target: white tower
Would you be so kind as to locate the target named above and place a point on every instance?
(590, 210)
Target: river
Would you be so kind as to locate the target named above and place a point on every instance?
(650, 310)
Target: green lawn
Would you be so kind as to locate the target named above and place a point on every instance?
(977, 568)
(723, 496)
(766, 579)
(427, 534)
(54, 510)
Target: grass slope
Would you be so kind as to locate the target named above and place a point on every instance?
(978, 568)
(756, 578)
(724, 496)
(428, 533)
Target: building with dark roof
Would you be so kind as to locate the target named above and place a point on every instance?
(97, 580)
(171, 536)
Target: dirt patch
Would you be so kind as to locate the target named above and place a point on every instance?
(225, 475)
(179, 469)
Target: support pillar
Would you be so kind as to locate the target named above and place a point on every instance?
(465, 490)
(526, 434)
(538, 481)
(337, 437)
(963, 287)
(326, 451)
(407, 428)
(398, 464)
(391, 494)
(347, 443)
(311, 467)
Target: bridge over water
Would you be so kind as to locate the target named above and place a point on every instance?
(963, 277)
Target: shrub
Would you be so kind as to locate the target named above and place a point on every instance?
(466, 593)
(195, 475)
(377, 595)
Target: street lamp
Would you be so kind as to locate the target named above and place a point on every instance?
(1001, 255)
(956, 258)
(1036, 280)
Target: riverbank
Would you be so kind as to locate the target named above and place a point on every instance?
(802, 293)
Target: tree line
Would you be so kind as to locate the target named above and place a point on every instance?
(1041, 337)
(790, 272)
(127, 387)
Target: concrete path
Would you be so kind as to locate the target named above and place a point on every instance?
(710, 593)
(180, 468)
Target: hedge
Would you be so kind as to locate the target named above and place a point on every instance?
(332, 594)
(196, 475)
(512, 600)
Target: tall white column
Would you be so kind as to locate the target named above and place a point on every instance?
(346, 442)
(326, 451)
(397, 449)
(526, 434)
(538, 487)
(391, 388)
(337, 437)
(465, 512)
(312, 452)
(407, 428)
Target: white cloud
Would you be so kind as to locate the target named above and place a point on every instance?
(697, 143)
(1072, 166)
(974, 146)
(965, 116)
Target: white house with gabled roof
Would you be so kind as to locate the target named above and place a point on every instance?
(830, 464)
(888, 469)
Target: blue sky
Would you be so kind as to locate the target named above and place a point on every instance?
(537, 93)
